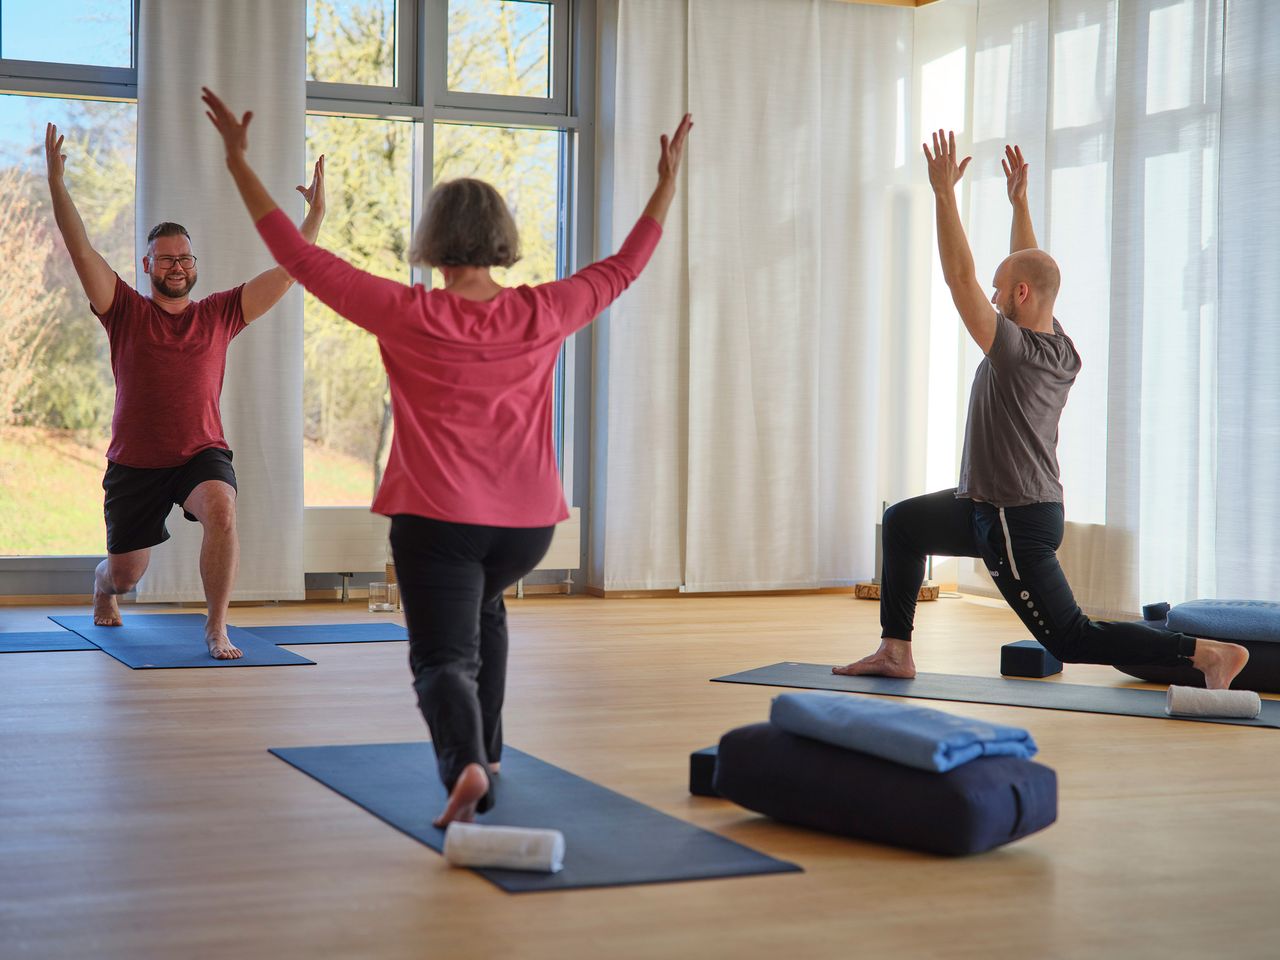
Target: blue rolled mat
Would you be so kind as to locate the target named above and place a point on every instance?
(915, 736)
(43, 641)
(973, 808)
(163, 641)
(610, 840)
(331, 633)
(1046, 695)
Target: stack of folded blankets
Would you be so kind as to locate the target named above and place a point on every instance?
(888, 772)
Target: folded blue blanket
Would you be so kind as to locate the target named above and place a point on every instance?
(1227, 619)
(913, 736)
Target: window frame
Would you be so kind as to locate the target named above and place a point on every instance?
(419, 95)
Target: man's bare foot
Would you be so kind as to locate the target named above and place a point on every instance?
(106, 613)
(221, 648)
(893, 659)
(495, 767)
(1219, 662)
(468, 791)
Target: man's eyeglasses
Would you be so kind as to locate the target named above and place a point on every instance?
(186, 262)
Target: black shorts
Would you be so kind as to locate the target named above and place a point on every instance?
(139, 499)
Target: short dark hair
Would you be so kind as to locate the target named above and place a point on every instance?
(466, 224)
(167, 229)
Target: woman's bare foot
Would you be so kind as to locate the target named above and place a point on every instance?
(470, 788)
(106, 613)
(893, 659)
(1219, 662)
(221, 648)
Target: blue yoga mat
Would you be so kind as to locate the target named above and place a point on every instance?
(162, 641)
(610, 840)
(1051, 695)
(331, 633)
(43, 641)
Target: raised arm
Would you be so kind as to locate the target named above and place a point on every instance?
(96, 276)
(585, 294)
(672, 151)
(265, 290)
(1022, 235)
(368, 301)
(953, 246)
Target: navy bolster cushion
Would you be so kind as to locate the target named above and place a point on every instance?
(1254, 624)
(975, 807)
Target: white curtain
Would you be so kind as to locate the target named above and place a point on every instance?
(253, 55)
(1147, 125)
(740, 377)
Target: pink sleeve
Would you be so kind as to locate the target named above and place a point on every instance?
(372, 302)
(580, 298)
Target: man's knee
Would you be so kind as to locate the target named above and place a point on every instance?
(219, 515)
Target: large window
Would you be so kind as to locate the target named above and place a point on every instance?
(490, 63)
(56, 391)
(401, 94)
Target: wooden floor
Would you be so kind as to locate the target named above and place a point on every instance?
(141, 815)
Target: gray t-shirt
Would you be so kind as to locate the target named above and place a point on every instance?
(1011, 438)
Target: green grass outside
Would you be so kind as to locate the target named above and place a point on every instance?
(51, 490)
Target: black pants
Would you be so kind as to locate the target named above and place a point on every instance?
(451, 578)
(1019, 545)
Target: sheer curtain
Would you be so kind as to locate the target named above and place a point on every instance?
(1144, 123)
(740, 378)
(253, 55)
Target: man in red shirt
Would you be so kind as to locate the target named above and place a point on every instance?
(168, 357)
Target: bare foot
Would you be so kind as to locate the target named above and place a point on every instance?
(221, 648)
(468, 791)
(1219, 662)
(495, 767)
(105, 611)
(893, 659)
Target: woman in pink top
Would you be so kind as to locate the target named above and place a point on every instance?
(471, 485)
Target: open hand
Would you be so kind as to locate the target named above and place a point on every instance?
(673, 149)
(54, 158)
(944, 171)
(1015, 173)
(314, 194)
(235, 134)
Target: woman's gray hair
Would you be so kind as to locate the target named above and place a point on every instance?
(466, 224)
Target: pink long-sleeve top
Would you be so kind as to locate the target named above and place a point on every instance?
(471, 382)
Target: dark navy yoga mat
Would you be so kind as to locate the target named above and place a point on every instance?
(158, 641)
(610, 840)
(331, 633)
(1044, 695)
(44, 641)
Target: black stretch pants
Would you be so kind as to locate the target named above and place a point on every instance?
(1019, 546)
(451, 578)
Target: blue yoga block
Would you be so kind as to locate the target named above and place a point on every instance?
(1254, 624)
(1026, 658)
(702, 771)
(977, 806)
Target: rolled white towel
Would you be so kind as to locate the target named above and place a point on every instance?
(508, 848)
(1195, 702)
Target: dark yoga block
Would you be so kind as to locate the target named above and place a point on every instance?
(1254, 624)
(1026, 658)
(702, 771)
(975, 807)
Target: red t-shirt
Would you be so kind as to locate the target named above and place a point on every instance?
(168, 370)
(471, 382)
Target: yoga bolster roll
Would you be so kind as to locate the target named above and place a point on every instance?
(507, 848)
(1197, 702)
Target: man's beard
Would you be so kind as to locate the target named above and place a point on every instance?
(159, 285)
(1009, 310)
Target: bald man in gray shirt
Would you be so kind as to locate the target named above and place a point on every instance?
(1007, 506)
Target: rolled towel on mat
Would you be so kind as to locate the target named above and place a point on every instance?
(913, 736)
(507, 848)
(1195, 702)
